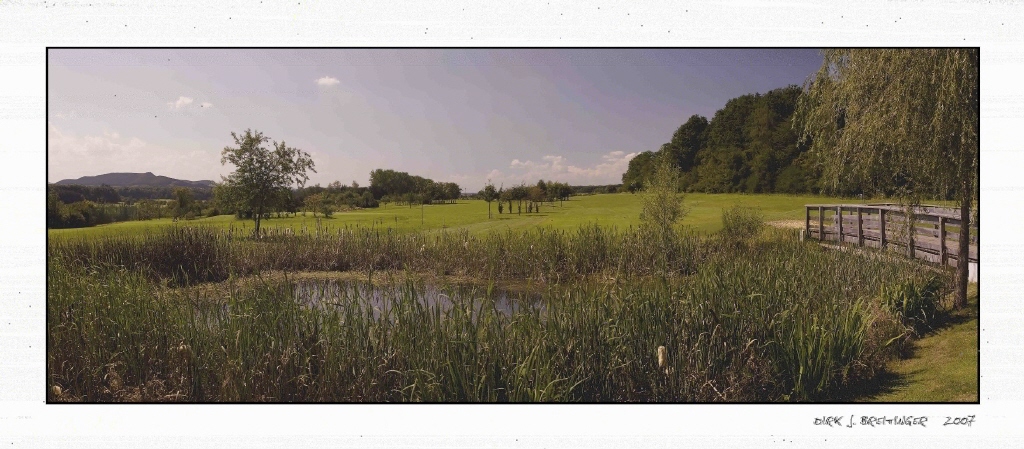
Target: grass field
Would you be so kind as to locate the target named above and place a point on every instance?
(619, 210)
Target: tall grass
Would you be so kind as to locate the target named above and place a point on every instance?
(185, 255)
(769, 319)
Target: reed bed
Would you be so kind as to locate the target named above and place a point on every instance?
(761, 318)
(187, 255)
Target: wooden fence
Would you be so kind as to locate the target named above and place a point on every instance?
(934, 235)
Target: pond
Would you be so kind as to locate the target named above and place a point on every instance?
(328, 293)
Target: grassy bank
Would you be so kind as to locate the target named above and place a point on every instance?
(942, 366)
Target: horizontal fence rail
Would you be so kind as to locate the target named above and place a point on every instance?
(932, 233)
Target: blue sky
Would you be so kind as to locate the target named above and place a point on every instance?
(461, 115)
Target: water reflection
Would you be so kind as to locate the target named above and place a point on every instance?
(325, 294)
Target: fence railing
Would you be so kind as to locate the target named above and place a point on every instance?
(931, 233)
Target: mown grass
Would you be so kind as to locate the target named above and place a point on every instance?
(942, 366)
(758, 316)
(619, 210)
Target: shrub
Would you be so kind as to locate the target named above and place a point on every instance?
(914, 302)
(741, 223)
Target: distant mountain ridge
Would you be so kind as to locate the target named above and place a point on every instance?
(134, 180)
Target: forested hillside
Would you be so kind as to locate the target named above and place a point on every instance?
(750, 145)
(147, 179)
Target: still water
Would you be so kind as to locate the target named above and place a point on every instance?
(475, 298)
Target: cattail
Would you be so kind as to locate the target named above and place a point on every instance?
(662, 357)
(56, 391)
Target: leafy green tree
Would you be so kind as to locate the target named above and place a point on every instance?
(53, 209)
(452, 192)
(899, 121)
(640, 168)
(224, 200)
(183, 200)
(661, 207)
(147, 209)
(326, 206)
(105, 194)
(501, 197)
(261, 173)
(687, 141)
(313, 202)
(518, 194)
(535, 195)
(489, 194)
(367, 200)
(562, 191)
(661, 204)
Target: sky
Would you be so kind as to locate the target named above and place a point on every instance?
(452, 115)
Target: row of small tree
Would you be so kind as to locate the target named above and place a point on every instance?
(534, 195)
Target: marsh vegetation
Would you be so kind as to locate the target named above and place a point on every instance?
(748, 314)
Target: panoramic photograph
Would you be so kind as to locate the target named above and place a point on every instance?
(558, 225)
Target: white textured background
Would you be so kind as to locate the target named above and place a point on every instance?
(28, 27)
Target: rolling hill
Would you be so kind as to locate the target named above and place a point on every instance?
(134, 180)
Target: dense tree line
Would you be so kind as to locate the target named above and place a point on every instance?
(135, 193)
(105, 194)
(73, 206)
(594, 190)
(750, 145)
(335, 197)
(392, 186)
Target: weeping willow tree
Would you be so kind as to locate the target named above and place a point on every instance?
(900, 122)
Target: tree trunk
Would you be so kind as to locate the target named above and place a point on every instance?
(256, 218)
(488, 210)
(962, 261)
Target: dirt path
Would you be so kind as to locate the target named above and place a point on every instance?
(788, 224)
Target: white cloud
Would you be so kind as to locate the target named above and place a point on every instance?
(327, 81)
(608, 170)
(62, 115)
(180, 102)
(206, 105)
(516, 164)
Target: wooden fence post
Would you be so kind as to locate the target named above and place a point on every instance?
(860, 227)
(821, 223)
(881, 228)
(911, 232)
(942, 241)
(807, 220)
(839, 222)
